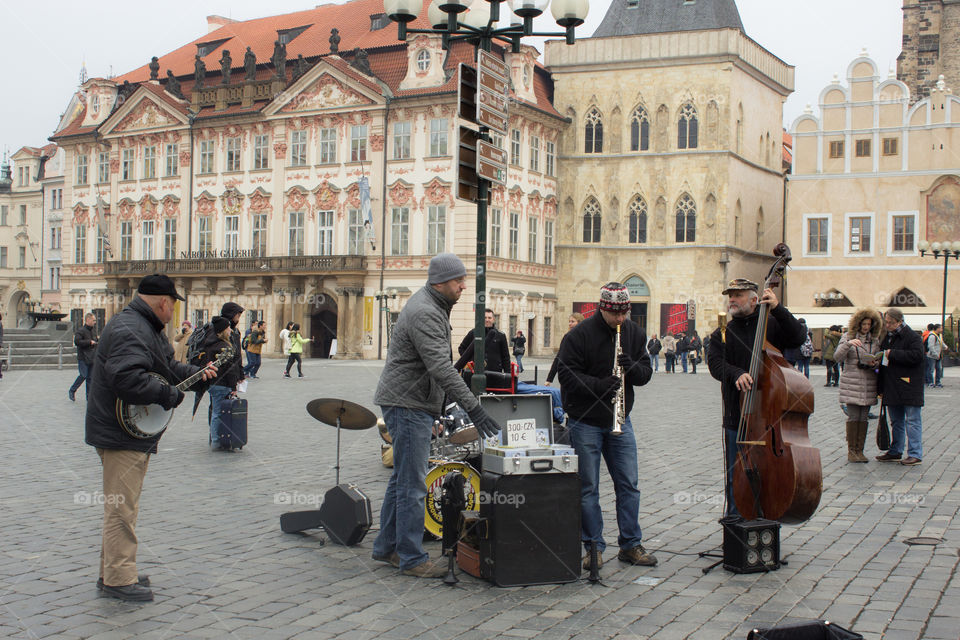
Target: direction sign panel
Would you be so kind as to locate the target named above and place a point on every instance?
(486, 60)
(493, 82)
(491, 152)
(496, 101)
(491, 162)
(495, 120)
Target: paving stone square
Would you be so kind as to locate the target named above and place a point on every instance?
(221, 568)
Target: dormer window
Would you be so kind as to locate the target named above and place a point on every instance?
(423, 60)
(526, 76)
(96, 103)
(206, 48)
(286, 36)
(379, 21)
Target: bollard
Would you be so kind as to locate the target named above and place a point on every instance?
(59, 357)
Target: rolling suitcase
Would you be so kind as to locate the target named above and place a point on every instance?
(233, 423)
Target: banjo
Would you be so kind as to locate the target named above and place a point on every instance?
(145, 421)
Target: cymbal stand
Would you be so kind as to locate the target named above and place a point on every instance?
(339, 415)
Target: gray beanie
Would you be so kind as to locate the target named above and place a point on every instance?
(443, 267)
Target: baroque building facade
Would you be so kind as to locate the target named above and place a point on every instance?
(874, 174)
(670, 173)
(309, 178)
(21, 224)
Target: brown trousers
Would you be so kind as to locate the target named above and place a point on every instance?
(123, 473)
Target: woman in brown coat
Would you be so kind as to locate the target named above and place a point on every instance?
(858, 384)
(180, 342)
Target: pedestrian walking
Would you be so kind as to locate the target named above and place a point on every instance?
(519, 348)
(258, 338)
(296, 351)
(85, 340)
(285, 338)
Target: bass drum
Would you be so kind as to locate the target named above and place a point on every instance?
(432, 517)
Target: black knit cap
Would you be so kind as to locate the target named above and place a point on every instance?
(219, 323)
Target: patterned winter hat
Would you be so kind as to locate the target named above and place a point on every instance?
(614, 297)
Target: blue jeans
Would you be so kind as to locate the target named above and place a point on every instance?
(655, 361)
(401, 516)
(620, 454)
(253, 364)
(683, 359)
(217, 396)
(84, 375)
(523, 387)
(905, 423)
(938, 372)
(803, 366)
(671, 362)
(519, 358)
(730, 461)
(928, 366)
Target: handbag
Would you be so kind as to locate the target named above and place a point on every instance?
(883, 430)
(860, 365)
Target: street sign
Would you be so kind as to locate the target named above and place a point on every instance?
(493, 100)
(486, 60)
(492, 90)
(467, 93)
(491, 162)
(467, 181)
(493, 82)
(495, 120)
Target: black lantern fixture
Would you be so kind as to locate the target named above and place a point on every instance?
(476, 23)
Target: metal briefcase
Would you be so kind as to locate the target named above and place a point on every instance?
(529, 465)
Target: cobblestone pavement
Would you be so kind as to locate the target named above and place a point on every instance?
(221, 568)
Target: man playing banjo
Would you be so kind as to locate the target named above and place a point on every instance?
(133, 346)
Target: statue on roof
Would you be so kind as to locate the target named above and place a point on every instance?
(301, 67)
(154, 68)
(334, 40)
(199, 72)
(173, 85)
(279, 59)
(226, 64)
(361, 62)
(250, 64)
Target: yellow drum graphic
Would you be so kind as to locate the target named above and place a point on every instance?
(432, 517)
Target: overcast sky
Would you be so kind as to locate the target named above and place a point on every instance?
(45, 42)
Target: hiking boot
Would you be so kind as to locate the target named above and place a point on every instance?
(131, 593)
(586, 562)
(638, 555)
(911, 461)
(392, 559)
(428, 569)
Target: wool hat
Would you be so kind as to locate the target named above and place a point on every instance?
(614, 297)
(230, 309)
(444, 267)
(741, 284)
(158, 285)
(219, 323)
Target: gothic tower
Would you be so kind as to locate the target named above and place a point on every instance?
(931, 36)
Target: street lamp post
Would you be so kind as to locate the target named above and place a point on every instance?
(945, 250)
(382, 297)
(456, 20)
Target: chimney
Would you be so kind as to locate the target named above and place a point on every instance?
(215, 22)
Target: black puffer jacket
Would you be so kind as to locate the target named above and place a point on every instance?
(132, 344)
(83, 339)
(729, 354)
(229, 373)
(495, 344)
(586, 358)
(901, 380)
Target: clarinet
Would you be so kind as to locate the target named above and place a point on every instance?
(619, 400)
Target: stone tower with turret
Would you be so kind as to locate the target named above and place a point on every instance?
(931, 45)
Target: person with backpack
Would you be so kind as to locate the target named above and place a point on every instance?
(829, 346)
(296, 350)
(255, 342)
(217, 338)
(933, 352)
(231, 372)
(653, 348)
(805, 352)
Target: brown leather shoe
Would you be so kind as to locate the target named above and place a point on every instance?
(392, 559)
(428, 569)
(888, 457)
(586, 562)
(911, 461)
(638, 555)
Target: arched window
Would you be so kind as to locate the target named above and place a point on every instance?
(686, 219)
(593, 132)
(638, 221)
(639, 130)
(687, 127)
(591, 221)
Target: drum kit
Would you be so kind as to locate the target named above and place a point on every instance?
(454, 445)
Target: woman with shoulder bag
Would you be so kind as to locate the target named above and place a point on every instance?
(519, 348)
(858, 349)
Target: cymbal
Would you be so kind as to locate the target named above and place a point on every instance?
(352, 415)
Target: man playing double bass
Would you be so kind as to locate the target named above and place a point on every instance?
(729, 354)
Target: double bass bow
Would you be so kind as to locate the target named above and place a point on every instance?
(777, 475)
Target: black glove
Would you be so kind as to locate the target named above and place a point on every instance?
(485, 425)
(172, 398)
(607, 387)
(625, 362)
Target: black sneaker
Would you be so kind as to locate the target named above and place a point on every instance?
(130, 593)
(72, 396)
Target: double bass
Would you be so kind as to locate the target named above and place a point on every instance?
(777, 475)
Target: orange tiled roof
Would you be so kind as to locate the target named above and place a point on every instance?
(787, 149)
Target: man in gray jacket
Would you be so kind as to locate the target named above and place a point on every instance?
(418, 374)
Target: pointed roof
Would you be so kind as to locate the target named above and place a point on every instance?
(635, 17)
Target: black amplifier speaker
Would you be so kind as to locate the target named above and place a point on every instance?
(532, 528)
(345, 515)
(811, 630)
(751, 546)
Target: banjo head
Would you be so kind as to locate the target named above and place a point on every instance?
(144, 421)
